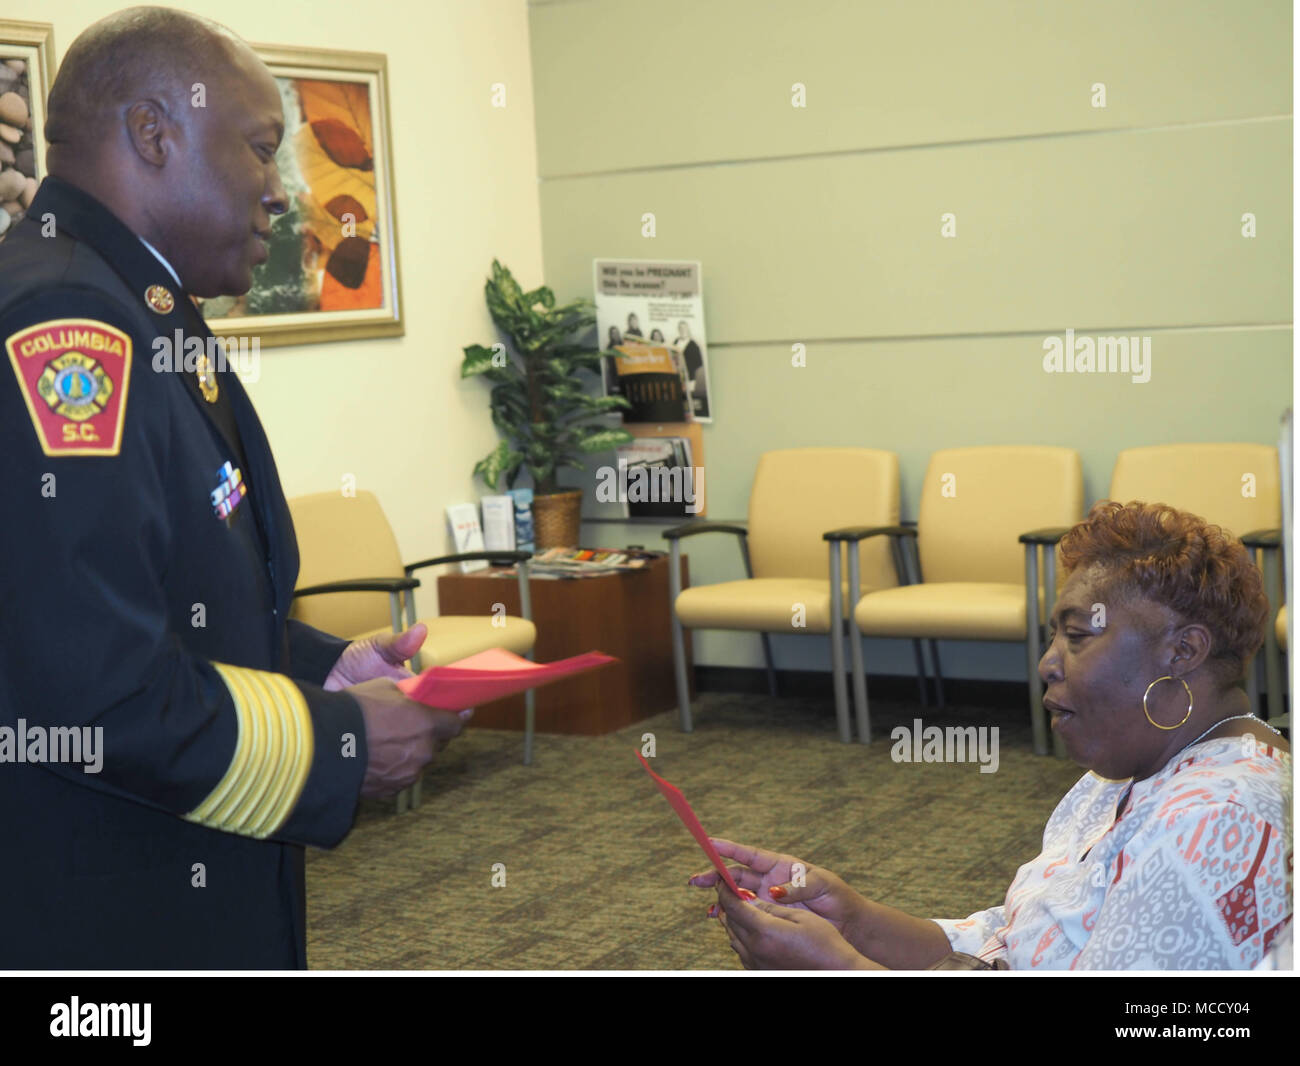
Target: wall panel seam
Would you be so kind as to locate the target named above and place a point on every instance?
(919, 147)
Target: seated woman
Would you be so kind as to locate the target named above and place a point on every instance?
(1171, 853)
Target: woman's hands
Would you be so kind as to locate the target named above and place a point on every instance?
(787, 880)
(770, 937)
(820, 921)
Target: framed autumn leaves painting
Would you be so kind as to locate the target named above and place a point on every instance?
(332, 272)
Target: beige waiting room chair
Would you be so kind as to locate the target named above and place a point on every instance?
(973, 581)
(352, 582)
(797, 496)
(1236, 486)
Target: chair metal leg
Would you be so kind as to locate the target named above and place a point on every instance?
(771, 670)
(679, 673)
(417, 793)
(860, 705)
(837, 646)
(530, 698)
(855, 647)
(921, 676)
(416, 663)
(679, 640)
(403, 800)
(904, 576)
(1033, 650)
(530, 713)
(938, 672)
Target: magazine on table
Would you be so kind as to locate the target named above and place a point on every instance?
(588, 562)
(565, 563)
(594, 558)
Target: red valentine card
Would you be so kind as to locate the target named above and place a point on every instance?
(684, 812)
(492, 675)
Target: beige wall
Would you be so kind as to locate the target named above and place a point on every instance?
(819, 226)
(394, 412)
(822, 225)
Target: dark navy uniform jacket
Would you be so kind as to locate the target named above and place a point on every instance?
(131, 603)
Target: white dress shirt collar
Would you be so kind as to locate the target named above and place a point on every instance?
(164, 262)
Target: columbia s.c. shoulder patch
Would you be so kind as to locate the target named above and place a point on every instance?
(73, 374)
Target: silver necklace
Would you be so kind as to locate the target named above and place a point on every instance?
(1232, 718)
(1220, 722)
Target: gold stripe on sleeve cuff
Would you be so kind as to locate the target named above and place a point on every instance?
(273, 752)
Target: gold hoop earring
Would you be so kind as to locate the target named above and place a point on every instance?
(1147, 711)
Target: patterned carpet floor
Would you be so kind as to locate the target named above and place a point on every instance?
(596, 863)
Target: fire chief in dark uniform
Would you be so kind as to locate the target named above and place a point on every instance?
(169, 741)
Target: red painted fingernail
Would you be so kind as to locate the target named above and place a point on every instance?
(776, 892)
(746, 894)
(713, 910)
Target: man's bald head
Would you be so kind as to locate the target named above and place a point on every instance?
(193, 174)
(141, 53)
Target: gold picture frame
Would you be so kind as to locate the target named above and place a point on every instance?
(337, 246)
(32, 43)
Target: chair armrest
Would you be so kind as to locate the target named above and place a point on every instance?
(364, 584)
(856, 533)
(689, 529)
(1044, 536)
(1262, 538)
(503, 557)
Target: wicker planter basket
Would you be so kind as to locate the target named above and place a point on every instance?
(557, 520)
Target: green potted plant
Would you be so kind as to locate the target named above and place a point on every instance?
(538, 401)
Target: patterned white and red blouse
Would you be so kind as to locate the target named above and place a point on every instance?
(1194, 875)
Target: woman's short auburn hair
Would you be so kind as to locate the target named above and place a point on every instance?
(1198, 570)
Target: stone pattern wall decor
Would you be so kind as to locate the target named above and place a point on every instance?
(26, 69)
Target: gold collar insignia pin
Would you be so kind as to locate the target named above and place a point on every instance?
(159, 299)
(207, 378)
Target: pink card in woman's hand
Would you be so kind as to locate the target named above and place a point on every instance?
(684, 812)
(491, 675)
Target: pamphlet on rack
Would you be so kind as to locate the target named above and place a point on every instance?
(498, 523)
(523, 501)
(655, 477)
(466, 534)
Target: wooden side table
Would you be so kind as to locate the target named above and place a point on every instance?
(625, 615)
